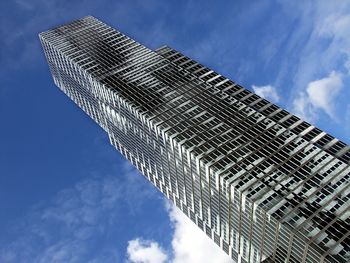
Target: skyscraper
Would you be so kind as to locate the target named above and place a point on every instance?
(263, 184)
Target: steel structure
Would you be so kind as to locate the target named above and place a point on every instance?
(265, 185)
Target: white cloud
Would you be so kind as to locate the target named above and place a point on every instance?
(190, 244)
(319, 95)
(267, 92)
(323, 92)
(145, 251)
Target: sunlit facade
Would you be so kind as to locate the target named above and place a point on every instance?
(263, 184)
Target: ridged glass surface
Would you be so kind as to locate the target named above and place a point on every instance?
(263, 184)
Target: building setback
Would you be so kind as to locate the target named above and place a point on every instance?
(265, 185)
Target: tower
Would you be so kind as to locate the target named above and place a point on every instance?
(263, 184)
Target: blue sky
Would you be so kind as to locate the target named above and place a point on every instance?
(67, 196)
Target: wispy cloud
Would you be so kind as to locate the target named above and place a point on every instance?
(347, 121)
(76, 226)
(268, 92)
(319, 44)
(303, 108)
(336, 28)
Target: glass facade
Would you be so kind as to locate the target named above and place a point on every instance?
(263, 184)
